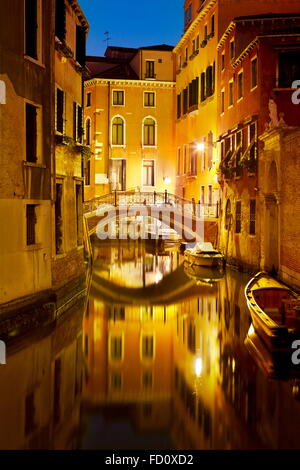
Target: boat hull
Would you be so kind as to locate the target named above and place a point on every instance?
(204, 260)
(276, 337)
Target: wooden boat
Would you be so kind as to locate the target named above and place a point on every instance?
(203, 254)
(275, 311)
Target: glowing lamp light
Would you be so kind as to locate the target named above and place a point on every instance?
(198, 366)
(167, 180)
(200, 147)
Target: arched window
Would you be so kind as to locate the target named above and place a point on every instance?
(228, 215)
(118, 131)
(149, 132)
(88, 131)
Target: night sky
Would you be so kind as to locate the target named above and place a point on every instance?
(132, 23)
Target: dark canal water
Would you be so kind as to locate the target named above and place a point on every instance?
(155, 359)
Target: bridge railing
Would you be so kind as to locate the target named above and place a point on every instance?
(127, 198)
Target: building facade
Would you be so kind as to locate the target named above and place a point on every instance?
(129, 108)
(252, 97)
(41, 64)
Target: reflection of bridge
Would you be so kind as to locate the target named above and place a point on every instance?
(192, 221)
(173, 288)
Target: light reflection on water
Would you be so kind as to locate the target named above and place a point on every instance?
(164, 366)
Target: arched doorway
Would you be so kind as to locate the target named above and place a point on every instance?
(272, 221)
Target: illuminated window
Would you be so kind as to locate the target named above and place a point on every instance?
(148, 173)
(222, 101)
(254, 72)
(149, 132)
(118, 98)
(147, 347)
(149, 99)
(77, 122)
(118, 131)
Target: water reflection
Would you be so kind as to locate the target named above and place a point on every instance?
(164, 366)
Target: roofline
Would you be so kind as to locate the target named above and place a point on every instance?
(255, 41)
(80, 15)
(123, 81)
(203, 12)
(239, 19)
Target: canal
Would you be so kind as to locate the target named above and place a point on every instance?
(155, 358)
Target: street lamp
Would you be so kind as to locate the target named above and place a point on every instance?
(201, 147)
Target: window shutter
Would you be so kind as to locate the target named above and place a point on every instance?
(203, 87)
(80, 45)
(31, 133)
(75, 121)
(79, 123)
(60, 20)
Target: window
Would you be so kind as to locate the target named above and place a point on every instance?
(148, 173)
(118, 131)
(222, 101)
(228, 215)
(79, 212)
(59, 219)
(223, 61)
(178, 161)
(184, 159)
(231, 49)
(203, 86)
(150, 69)
(116, 381)
(186, 55)
(178, 106)
(238, 217)
(88, 99)
(77, 123)
(252, 228)
(31, 28)
(240, 85)
(230, 94)
(118, 98)
(193, 159)
(212, 26)
(149, 99)
(254, 73)
(147, 347)
(30, 224)
(194, 45)
(210, 195)
(31, 133)
(185, 101)
(60, 20)
(202, 195)
(147, 379)
(288, 68)
(193, 93)
(188, 15)
(60, 108)
(149, 132)
(88, 131)
(80, 45)
(197, 42)
(116, 348)
(87, 173)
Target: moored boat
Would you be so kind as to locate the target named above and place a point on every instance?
(204, 254)
(275, 311)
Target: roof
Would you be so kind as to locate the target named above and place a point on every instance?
(80, 15)
(160, 47)
(268, 16)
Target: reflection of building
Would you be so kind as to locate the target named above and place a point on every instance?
(129, 107)
(46, 379)
(252, 97)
